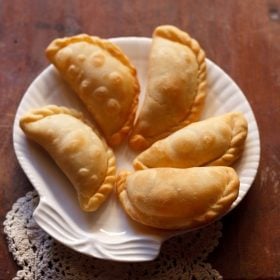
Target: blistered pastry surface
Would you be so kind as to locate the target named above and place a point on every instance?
(215, 141)
(103, 78)
(223, 96)
(80, 153)
(176, 87)
(170, 198)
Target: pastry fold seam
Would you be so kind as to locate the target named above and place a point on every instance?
(236, 146)
(116, 137)
(87, 202)
(104, 190)
(217, 209)
(139, 141)
(173, 33)
(58, 44)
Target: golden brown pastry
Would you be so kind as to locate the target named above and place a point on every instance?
(170, 198)
(76, 148)
(214, 141)
(175, 87)
(103, 78)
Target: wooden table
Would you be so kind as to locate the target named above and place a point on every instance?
(243, 37)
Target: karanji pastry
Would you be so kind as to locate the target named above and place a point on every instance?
(214, 141)
(77, 149)
(171, 198)
(103, 78)
(175, 87)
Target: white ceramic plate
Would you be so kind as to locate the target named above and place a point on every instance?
(109, 233)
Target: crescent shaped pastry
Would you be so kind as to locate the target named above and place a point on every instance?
(76, 148)
(171, 198)
(103, 78)
(175, 87)
(214, 141)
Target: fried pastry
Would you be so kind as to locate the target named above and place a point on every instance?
(214, 141)
(176, 87)
(77, 149)
(103, 78)
(171, 198)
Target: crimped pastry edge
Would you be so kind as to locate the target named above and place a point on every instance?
(58, 44)
(239, 126)
(137, 141)
(216, 211)
(105, 189)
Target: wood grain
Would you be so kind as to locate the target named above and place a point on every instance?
(243, 37)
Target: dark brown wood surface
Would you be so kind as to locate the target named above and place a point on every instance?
(242, 36)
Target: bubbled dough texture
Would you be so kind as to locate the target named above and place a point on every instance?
(107, 94)
(75, 148)
(197, 144)
(171, 87)
(176, 192)
(160, 198)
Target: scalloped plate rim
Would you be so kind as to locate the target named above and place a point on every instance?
(22, 160)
